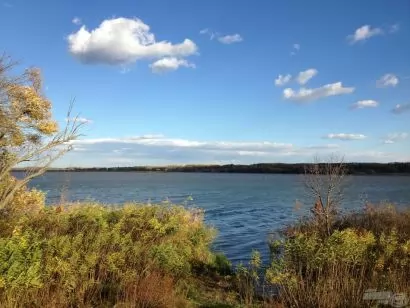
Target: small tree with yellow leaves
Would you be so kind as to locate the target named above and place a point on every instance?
(29, 137)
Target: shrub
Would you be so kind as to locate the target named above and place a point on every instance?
(364, 250)
(90, 255)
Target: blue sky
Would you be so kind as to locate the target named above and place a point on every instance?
(183, 81)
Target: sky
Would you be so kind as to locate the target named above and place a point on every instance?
(235, 81)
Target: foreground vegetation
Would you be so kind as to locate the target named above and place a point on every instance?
(364, 250)
(89, 255)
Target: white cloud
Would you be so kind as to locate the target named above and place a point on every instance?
(401, 108)
(79, 120)
(305, 76)
(158, 149)
(282, 80)
(394, 137)
(123, 41)
(306, 94)
(387, 80)
(363, 33)
(77, 21)
(376, 156)
(169, 64)
(369, 103)
(161, 150)
(224, 39)
(296, 46)
(208, 32)
(345, 137)
(161, 141)
(230, 39)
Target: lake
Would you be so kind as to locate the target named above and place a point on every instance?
(243, 207)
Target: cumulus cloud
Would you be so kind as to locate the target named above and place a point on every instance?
(305, 76)
(369, 103)
(395, 137)
(401, 108)
(364, 33)
(77, 21)
(387, 80)
(345, 137)
(169, 64)
(306, 94)
(230, 39)
(122, 41)
(282, 80)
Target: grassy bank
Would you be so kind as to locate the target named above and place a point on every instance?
(363, 250)
(89, 255)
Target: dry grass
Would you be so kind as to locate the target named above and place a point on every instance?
(369, 249)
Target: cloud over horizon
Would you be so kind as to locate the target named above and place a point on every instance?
(161, 150)
(158, 148)
(345, 137)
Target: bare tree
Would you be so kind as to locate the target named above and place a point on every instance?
(324, 183)
(29, 137)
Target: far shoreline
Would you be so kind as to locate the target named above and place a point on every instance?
(393, 168)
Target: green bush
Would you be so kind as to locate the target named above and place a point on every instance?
(90, 254)
(370, 249)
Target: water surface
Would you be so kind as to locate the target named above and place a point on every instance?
(243, 207)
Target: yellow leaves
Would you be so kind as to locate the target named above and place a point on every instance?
(47, 127)
(389, 242)
(27, 101)
(17, 138)
(355, 245)
(406, 247)
(28, 200)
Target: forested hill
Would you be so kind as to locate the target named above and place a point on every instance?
(352, 168)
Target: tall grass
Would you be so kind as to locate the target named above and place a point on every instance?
(369, 249)
(91, 256)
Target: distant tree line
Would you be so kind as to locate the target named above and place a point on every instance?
(278, 168)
